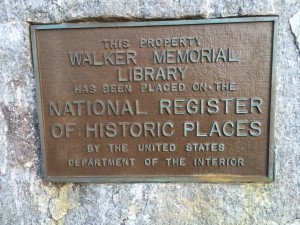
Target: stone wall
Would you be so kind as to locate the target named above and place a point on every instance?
(26, 199)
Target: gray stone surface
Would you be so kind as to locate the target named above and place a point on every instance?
(295, 26)
(46, 11)
(26, 199)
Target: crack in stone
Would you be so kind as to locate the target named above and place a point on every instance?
(295, 28)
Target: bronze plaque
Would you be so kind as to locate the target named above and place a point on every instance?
(178, 101)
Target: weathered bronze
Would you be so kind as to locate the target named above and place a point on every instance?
(180, 101)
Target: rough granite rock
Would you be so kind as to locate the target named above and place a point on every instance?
(57, 11)
(26, 199)
(230, 8)
(295, 25)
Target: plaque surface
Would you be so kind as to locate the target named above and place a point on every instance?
(178, 101)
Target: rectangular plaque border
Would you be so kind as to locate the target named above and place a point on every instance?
(205, 178)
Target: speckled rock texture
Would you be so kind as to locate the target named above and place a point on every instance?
(25, 199)
(295, 26)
